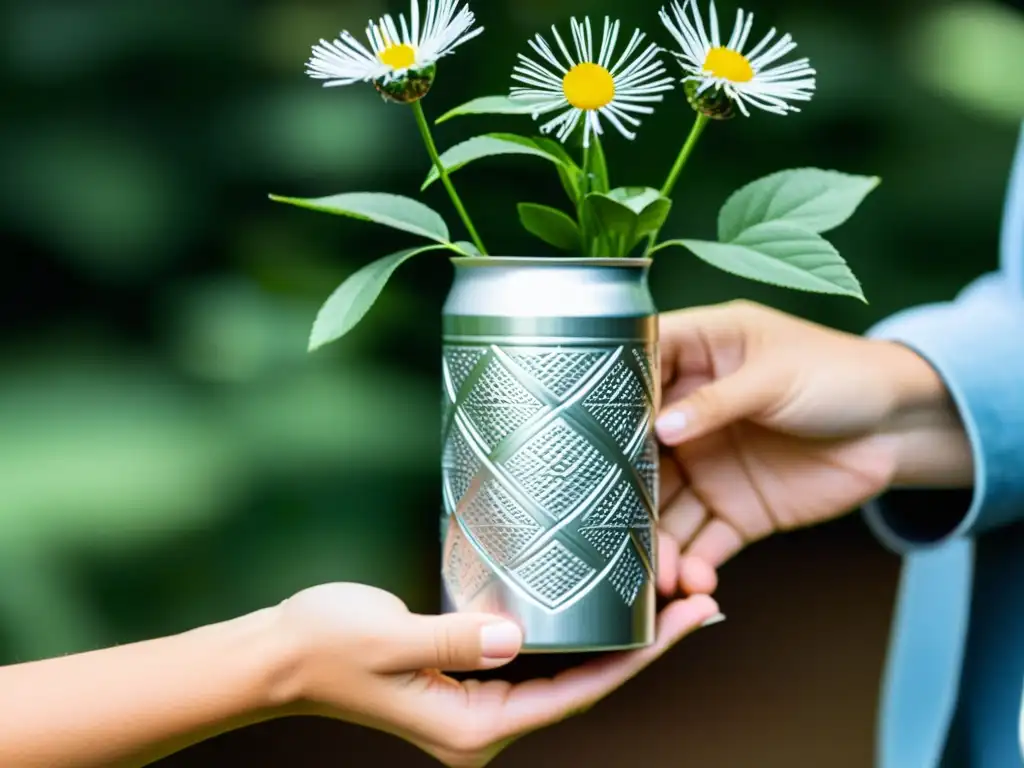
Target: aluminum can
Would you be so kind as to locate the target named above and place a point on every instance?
(550, 463)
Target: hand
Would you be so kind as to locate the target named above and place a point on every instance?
(774, 423)
(363, 657)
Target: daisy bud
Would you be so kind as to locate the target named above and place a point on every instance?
(407, 88)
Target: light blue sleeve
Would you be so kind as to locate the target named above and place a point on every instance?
(976, 344)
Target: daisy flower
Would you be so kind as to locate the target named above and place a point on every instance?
(590, 89)
(751, 79)
(395, 50)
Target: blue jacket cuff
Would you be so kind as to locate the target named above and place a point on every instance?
(976, 344)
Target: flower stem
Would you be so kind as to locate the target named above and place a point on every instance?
(584, 191)
(684, 154)
(428, 140)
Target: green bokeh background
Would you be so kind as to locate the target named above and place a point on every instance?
(169, 453)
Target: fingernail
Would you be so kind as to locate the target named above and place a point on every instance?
(500, 641)
(718, 618)
(672, 426)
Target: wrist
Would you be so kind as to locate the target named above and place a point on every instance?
(917, 388)
(274, 658)
(931, 447)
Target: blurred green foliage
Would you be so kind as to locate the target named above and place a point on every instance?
(170, 455)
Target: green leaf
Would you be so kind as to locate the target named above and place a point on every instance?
(597, 167)
(489, 105)
(569, 173)
(782, 254)
(625, 216)
(394, 211)
(354, 297)
(606, 216)
(467, 248)
(488, 145)
(811, 198)
(551, 225)
(637, 199)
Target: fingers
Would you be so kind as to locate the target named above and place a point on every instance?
(715, 543)
(538, 703)
(689, 339)
(456, 642)
(744, 394)
(683, 517)
(667, 578)
(695, 576)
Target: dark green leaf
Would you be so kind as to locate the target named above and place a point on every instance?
(551, 225)
(811, 198)
(625, 216)
(635, 198)
(652, 219)
(489, 105)
(488, 145)
(607, 217)
(354, 297)
(569, 173)
(394, 211)
(782, 254)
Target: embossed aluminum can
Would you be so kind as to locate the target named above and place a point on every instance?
(550, 464)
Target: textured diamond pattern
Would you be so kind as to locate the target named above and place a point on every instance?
(459, 464)
(554, 574)
(557, 502)
(612, 519)
(558, 468)
(561, 372)
(628, 576)
(503, 528)
(460, 362)
(464, 573)
(499, 404)
(644, 364)
(644, 534)
(619, 404)
(606, 539)
(647, 465)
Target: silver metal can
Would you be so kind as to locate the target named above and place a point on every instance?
(550, 464)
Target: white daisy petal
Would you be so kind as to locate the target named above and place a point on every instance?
(561, 46)
(737, 29)
(748, 79)
(591, 89)
(612, 118)
(395, 46)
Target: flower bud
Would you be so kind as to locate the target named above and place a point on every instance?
(714, 102)
(411, 86)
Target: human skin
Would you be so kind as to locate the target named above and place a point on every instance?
(772, 423)
(343, 651)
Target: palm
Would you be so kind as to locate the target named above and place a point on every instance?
(745, 482)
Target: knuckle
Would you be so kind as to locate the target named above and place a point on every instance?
(706, 402)
(745, 307)
(446, 645)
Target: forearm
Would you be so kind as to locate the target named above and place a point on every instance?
(130, 705)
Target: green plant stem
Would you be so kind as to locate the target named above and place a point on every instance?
(428, 140)
(584, 191)
(677, 168)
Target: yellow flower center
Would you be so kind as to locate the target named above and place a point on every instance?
(728, 65)
(398, 56)
(589, 86)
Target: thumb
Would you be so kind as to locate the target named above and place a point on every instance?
(456, 642)
(750, 391)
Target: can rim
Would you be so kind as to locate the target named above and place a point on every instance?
(550, 261)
